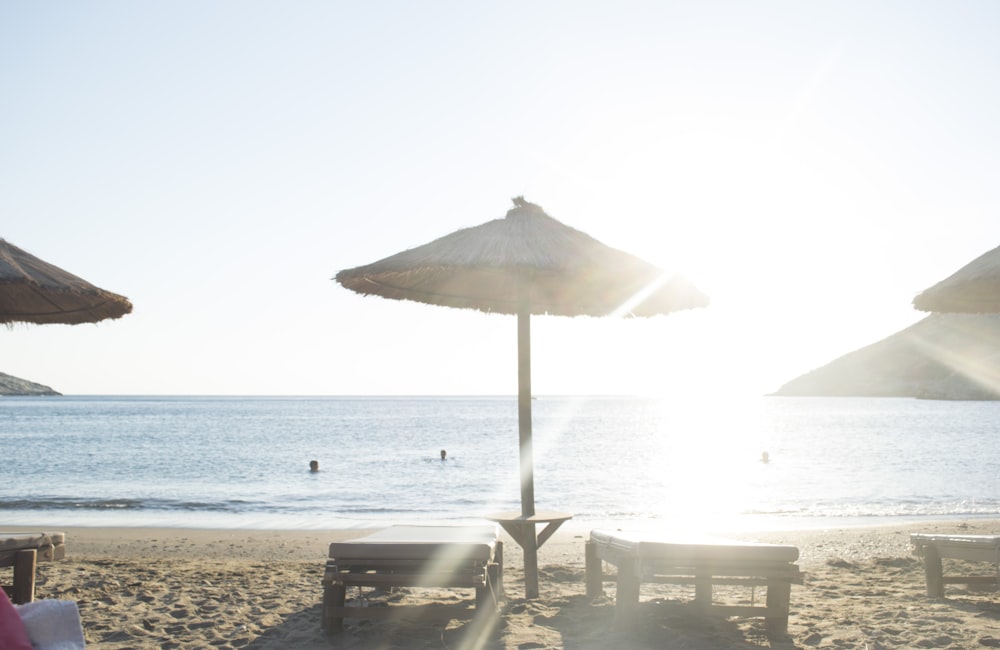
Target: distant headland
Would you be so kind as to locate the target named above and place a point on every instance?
(10, 385)
(943, 356)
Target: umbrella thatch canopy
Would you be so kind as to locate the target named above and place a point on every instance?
(973, 289)
(526, 263)
(527, 259)
(34, 291)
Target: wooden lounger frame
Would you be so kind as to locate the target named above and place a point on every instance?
(969, 548)
(486, 577)
(776, 576)
(23, 552)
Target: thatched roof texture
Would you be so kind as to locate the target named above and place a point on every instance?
(525, 256)
(973, 289)
(34, 291)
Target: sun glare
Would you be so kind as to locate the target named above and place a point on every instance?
(713, 457)
(683, 463)
(637, 299)
(976, 363)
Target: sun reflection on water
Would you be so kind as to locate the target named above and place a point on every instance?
(677, 462)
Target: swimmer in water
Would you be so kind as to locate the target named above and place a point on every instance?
(314, 466)
(444, 455)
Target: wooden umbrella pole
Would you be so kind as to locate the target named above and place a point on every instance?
(524, 410)
(528, 540)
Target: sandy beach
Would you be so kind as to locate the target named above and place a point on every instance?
(188, 588)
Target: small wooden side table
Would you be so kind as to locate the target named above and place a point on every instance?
(522, 528)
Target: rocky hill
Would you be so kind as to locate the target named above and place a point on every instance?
(943, 356)
(10, 385)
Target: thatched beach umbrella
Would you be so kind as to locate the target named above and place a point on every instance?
(34, 291)
(526, 263)
(973, 289)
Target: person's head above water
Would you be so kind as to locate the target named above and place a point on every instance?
(314, 466)
(444, 454)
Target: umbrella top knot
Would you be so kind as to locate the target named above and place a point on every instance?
(524, 208)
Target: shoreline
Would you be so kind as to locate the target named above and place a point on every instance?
(94, 542)
(31, 520)
(147, 587)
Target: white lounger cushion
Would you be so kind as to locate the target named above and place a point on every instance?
(421, 543)
(680, 548)
(957, 540)
(982, 548)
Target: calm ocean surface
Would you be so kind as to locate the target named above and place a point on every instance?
(242, 462)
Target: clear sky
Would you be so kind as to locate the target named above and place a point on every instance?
(809, 165)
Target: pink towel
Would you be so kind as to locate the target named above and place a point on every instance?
(13, 634)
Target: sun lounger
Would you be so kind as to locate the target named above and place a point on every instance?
(460, 557)
(22, 551)
(647, 557)
(969, 548)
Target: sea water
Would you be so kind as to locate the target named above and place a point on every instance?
(243, 462)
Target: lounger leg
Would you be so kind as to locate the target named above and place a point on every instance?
(498, 556)
(485, 596)
(488, 608)
(595, 571)
(489, 597)
(627, 596)
(24, 577)
(333, 596)
(934, 571)
(779, 595)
